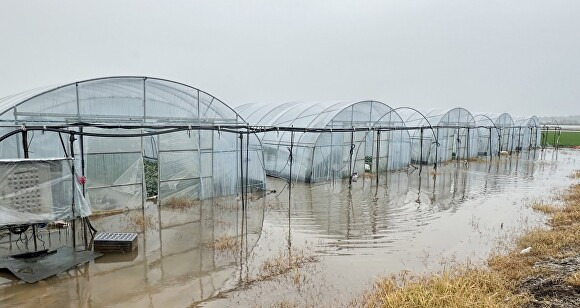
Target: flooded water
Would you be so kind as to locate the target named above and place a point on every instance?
(211, 254)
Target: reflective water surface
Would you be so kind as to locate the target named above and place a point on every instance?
(210, 254)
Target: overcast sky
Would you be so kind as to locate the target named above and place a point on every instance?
(521, 57)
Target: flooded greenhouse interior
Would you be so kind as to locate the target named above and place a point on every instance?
(349, 183)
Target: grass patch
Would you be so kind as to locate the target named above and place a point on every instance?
(223, 243)
(567, 139)
(540, 276)
(143, 222)
(458, 287)
(544, 208)
(106, 213)
(179, 203)
(574, 279)
(284, 263)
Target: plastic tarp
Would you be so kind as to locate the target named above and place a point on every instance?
(40, 190)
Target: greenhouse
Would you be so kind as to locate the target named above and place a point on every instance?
(496, 133)
(111, 117)
(527, 133)
(440, 135)
(328, 155)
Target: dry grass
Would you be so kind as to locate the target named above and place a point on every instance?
(434, 172)
(143, 222)
(495, 286)
(284, 263)
(223, 243)
(544, 208)
(285, 304)
(458, 287)
(106, 213)
(476, 159)
(179, 203)
(574, 279)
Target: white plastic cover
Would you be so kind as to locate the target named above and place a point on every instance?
(39, 190)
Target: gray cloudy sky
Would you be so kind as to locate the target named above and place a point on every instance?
(521, 57)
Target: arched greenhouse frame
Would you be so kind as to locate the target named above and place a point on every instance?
(193, 163)
(329, 155)
(440, 135)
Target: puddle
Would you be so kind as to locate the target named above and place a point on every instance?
(411, 220)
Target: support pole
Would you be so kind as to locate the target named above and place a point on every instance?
(291, 159)
(350, 158)
(74, 216)
(242, 197)
(421, 151)
(436, 148)
(489, 150)
(378, 155)
(499, 135)
(85, 221)
(519, 139)
(26, 156)
(458, 145)
(467, 149)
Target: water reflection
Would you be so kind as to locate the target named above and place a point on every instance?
(176, 263)
(371, 216)
(406, 213)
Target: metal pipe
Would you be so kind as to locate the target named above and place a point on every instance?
(350, 159)
(421, 151)
(378, 155)
(74, 217)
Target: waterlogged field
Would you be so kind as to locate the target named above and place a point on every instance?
(326, 249)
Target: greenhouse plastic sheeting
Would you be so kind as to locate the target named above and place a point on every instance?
(456, 138)
(114, 170)
(529, 136)
(202, 164)
(114, 165)
(327, 155)
(39, 190)
(497, 135)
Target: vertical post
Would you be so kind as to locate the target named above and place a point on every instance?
(436, 147)
(535, 137)
(499, 136)
(513, 139)
(242, 173)
(389, 139)
(291, 159)
(245, 217)
(242, 198)
(421, 150)
(519, 139)
(84, 220)
(458, 145)
(74, 216)
(467, 149)
(350, 158)
(489, 150)
(26, 156)
(378, 155)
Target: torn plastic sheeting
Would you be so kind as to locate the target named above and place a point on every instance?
(39, 190)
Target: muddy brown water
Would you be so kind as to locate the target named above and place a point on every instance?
(411, 221)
